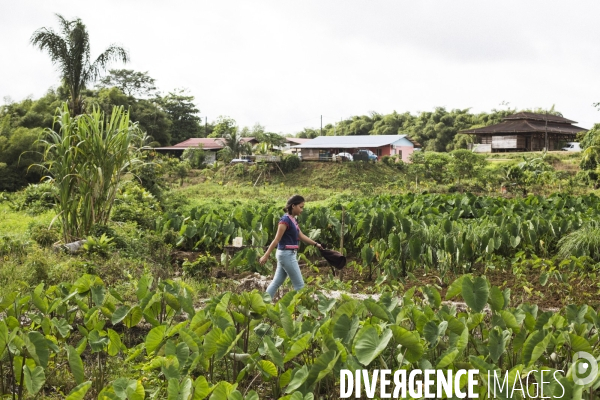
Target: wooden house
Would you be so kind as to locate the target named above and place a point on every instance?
(524, 131)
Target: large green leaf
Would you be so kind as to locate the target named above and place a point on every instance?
(79, 391)
(497, 342)
(34, 379)
(226, 341)
(579, 343)
(75, 364)
(268, 368)
(62, 327)
(37, 346)
(433, 331)
(134, 316)
(155, 338)
(298, 347)
(433, 296)
(135, 390)
(114, 344)
(222, 391)
(410, 340)
(299, 376)
(179, 391)
(475, 293)
(455, 287)
(414, 246)
(377, 310)
(119, 314)
(447, 358)
(367, 253)
(286, 321)
(201, 388)
(97, 341)
(39, 299)
(534, 346)
(496, 299)
(322, 367)
(368, 345)
(191, 339)
(273, 353)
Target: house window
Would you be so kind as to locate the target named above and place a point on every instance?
(378, 152)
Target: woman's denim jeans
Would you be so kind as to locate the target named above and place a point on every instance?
(287, 265)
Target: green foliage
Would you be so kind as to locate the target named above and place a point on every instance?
(531, 171)
(17, 155)
(86, 160)
(466, 164)
(98, 245)
(234, 143)
(290, 162)
(10, 246)
(293, 349)
(133, 203)
(183, 114)
(43, 235)
(582, 242)
(225, 126)
(130, 82)
(194, 156)
(202, 266)
(36, 199)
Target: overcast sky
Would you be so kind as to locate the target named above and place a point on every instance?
(283, 64)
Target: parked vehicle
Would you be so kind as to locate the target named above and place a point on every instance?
(364, 155)
(241, 161)
(572, 146)
(346, 156)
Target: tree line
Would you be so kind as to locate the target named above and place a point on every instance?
(171, 118)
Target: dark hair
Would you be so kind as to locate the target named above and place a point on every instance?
(293, 201)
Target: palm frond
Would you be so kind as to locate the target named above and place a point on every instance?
(112, 53)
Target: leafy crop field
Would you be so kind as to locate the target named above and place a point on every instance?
(238, 345)
(148, 309)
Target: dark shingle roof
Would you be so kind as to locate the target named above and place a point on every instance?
(526, 122)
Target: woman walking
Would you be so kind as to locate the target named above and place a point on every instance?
(286, 240)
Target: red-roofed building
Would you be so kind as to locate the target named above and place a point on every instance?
(210, 145)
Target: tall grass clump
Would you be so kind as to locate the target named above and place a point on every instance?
(582, 242)
(85, 159)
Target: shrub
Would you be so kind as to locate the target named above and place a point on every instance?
(99, 230)
(202, 266)
(35, 199)
(43, 235)
(387, 160)
(194, 156)
(290, 163)
(98, 245)
(587, 177)
(582, 242)
(134, 203)
(12, 246)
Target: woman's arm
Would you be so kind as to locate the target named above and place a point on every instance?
(308, 240)
(280, 231)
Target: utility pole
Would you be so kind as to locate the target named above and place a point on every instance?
(205, 126)
(546, 132)
(321, 125)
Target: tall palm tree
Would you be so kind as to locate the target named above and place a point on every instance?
(70, 50)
